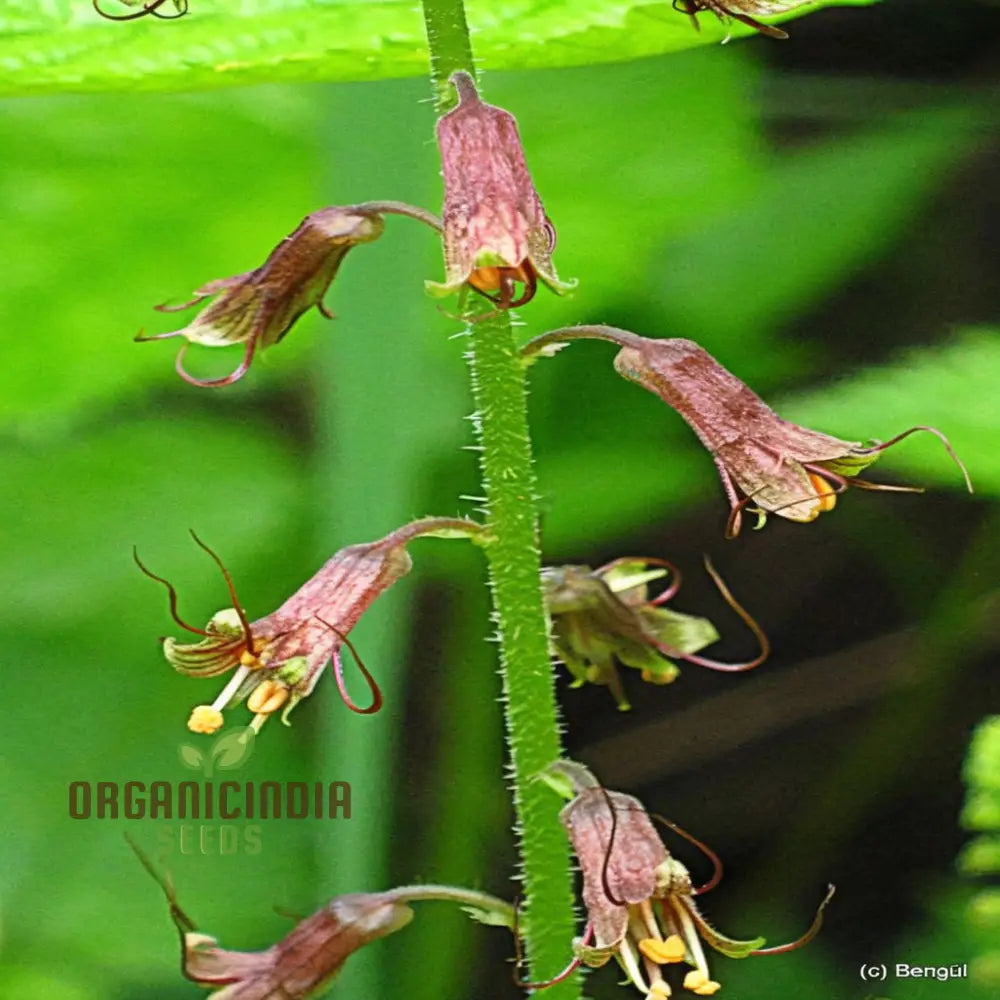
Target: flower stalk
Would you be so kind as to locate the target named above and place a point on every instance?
(500, 395)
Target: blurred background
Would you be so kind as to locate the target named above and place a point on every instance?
(822, 215)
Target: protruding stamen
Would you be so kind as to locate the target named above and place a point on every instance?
(205, 719)
(666, 952)
(827, 498)
(201, 715)
(630, 962)
(689, 933)
(267, 697)
(699, 983)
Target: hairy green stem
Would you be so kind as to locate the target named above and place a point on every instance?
(449, 45)
(499, 388)
(498, 381)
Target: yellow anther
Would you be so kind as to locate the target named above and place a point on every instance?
(663, 952)
(650, 678)
(827, 498)
(658, 990)
(267, 697)
(248, 659)
(700, 984)
(205, 719)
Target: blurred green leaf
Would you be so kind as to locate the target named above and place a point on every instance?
(951, 387)
(820, 215)
(64, 45)
(982, 807)
(113, 206)
(982, 767)
(69, 532)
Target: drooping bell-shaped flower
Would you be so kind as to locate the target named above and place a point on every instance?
(257, 308)
(605, 617)
(640, 901)
(312, 954)
(768, 465)
(277, 660)
(496, 232)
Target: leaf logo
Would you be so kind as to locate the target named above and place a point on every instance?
(229, 750)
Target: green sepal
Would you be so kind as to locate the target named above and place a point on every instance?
(850, 464)
(567, 778)
(590, 955)
(730, 947)
(628, 575)
(685, 633)
(208, 657)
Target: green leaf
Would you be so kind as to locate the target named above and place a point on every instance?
(64, 45)
(982, 767)
(951, 387)
(76, 293)
(73, 513)
(981, 856)
(812, 221)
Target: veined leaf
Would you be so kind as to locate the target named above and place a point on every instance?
(49, 46)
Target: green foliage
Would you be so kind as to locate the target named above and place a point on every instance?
(64, 45)
(982, 807)
(981, 856)
(947, 386)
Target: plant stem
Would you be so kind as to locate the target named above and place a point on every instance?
(498, 382)
(500, 392)
(449, 45)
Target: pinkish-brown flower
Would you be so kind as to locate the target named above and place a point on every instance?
(496, 232)
(777, 466)
(746, 11)
(604, 617)
(303, 961)
(315, 950)
(278, 659)
(639, 900)
(768, 465)
(257, 308)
